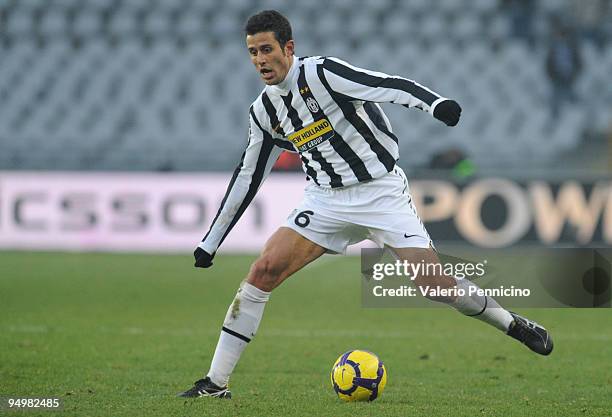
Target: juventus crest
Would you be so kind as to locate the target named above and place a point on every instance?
(312, 104)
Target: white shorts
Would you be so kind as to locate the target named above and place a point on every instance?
(380, 210)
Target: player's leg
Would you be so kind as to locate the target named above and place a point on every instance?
(469, 303)
(398, 226)
(477, 306)
(284, 253)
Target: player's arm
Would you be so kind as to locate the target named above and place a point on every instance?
(360, 84)
(256, 163)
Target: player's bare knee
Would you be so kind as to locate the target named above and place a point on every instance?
(265, 274)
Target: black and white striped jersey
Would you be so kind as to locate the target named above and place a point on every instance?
(326, 110)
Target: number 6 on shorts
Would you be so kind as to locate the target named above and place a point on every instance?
(302, 218)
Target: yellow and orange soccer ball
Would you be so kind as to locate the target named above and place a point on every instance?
(358, 375)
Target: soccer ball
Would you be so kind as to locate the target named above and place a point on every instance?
(358, 375)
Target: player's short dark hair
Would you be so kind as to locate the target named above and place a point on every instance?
(270, 21)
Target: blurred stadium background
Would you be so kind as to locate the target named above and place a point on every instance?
(164, 86)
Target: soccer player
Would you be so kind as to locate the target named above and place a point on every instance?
(327, 110)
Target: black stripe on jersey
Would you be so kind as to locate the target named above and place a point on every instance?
(309, 170)
(276, 126)
(296, 122)
(227, 193)
(362, 128)
(271, 111)
(335, 179)
(256, 120)
(374, 81)
(375, 116)
(337, 142)
(257, 178)
(284, 144)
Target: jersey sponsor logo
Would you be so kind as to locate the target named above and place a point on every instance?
(312, 135)
(312, 104)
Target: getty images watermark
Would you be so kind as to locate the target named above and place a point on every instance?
(517, 277)
(459, 270)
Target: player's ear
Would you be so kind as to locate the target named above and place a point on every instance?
(289, 47)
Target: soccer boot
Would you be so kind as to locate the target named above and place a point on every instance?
(531, 334)
(206, 388)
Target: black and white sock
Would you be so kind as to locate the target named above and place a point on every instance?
(239, 327)
(481, 307)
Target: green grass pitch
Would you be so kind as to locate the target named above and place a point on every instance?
(120, 335)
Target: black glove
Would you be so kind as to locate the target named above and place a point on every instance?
(448, 111)
(203, 259)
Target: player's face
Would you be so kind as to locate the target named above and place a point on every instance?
(272, 61)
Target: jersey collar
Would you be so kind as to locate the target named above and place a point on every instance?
(285, 86)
